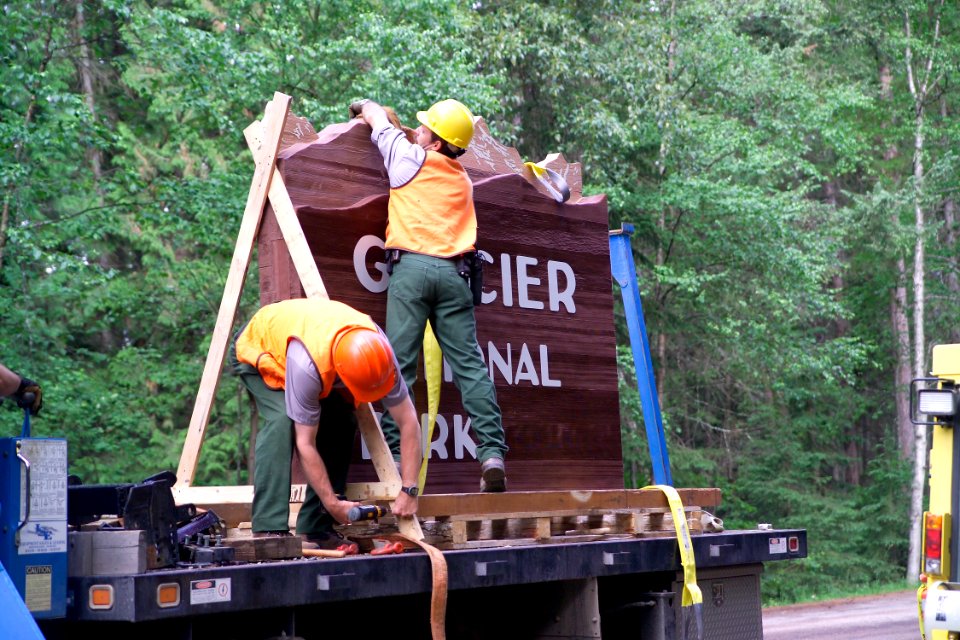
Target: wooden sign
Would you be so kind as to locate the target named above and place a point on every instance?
(545, 325)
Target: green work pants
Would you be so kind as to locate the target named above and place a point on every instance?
(426, 288)
(274, 451)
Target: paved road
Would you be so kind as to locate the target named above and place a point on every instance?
(892, 616)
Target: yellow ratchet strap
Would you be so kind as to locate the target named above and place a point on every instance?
(692, 600)
(433, 370)
(921, 592)
(552, 180)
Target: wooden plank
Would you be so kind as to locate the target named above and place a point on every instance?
(458, 531)
(250, 549)
(226, 500)
(699, 497)
(543, 528)
(274, 116)
(233, 503)
(560, 502)
(287, 220)
(384, 464)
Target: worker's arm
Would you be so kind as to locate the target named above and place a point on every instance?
(9, 381)
(402, 158)
(25, 391)
(405, 415)
(372, 113)
(316, 472)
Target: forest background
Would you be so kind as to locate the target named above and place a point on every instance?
(790, 167)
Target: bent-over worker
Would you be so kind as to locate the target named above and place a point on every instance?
(308, 363)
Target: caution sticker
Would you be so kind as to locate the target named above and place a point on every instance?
(38, 592)
(778, 545)
(208, 591)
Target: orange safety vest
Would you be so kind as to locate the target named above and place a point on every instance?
(315, 323)
(433, 214)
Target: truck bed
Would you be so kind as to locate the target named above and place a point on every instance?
(300, 596)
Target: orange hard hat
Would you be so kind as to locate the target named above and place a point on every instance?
(363, 358)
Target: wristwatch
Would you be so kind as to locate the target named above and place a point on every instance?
(413, 491)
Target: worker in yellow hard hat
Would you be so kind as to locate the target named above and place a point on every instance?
(308, 363)
(431, 248)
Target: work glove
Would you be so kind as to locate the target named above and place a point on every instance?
(356, 109)
(29, 396)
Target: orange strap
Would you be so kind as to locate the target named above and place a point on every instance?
(438, 599)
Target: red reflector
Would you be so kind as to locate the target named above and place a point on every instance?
(793, 544)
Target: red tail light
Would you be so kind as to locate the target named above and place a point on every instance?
(933, 534)
(933, 525)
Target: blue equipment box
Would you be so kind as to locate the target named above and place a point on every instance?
(33, 521)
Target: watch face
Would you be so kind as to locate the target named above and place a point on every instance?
(411, 491)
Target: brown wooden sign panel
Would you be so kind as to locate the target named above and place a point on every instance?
(546, 323)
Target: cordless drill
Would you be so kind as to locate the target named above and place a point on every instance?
(367, 512)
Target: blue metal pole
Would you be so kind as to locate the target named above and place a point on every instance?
(624, 272)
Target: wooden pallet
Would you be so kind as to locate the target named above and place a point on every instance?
(250, 549)
(469, 521)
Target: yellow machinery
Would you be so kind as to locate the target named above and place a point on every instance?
(938, 399)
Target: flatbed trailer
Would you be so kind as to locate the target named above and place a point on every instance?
(612, 589)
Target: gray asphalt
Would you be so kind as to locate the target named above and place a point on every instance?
(891, 616)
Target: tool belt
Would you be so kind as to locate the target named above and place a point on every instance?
(469, 267)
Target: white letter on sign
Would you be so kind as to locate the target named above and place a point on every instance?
(524, 281)
(364, 245)
(461, 438)
(557, 296)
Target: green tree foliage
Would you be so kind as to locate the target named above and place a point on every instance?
(761, 149)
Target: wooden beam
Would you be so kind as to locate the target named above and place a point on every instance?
(290, 227)
(544, 503)
(384, 464)
(233, 503)
(275, 114)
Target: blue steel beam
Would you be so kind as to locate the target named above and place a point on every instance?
(625, 274)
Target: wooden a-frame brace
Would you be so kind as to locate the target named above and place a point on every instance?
(263, 139)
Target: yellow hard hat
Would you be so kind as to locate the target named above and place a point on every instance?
(450, 120)
(364, 360)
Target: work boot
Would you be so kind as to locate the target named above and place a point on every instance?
(493, 476)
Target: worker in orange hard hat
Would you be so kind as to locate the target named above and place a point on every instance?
(308, 363)
(432, 256)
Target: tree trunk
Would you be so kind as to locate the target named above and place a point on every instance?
(85, 69)
(899, 323)
(951, 279)
(661, 339)
(901, 372)
(919, 92)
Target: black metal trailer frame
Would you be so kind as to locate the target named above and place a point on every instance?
(610, 589)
